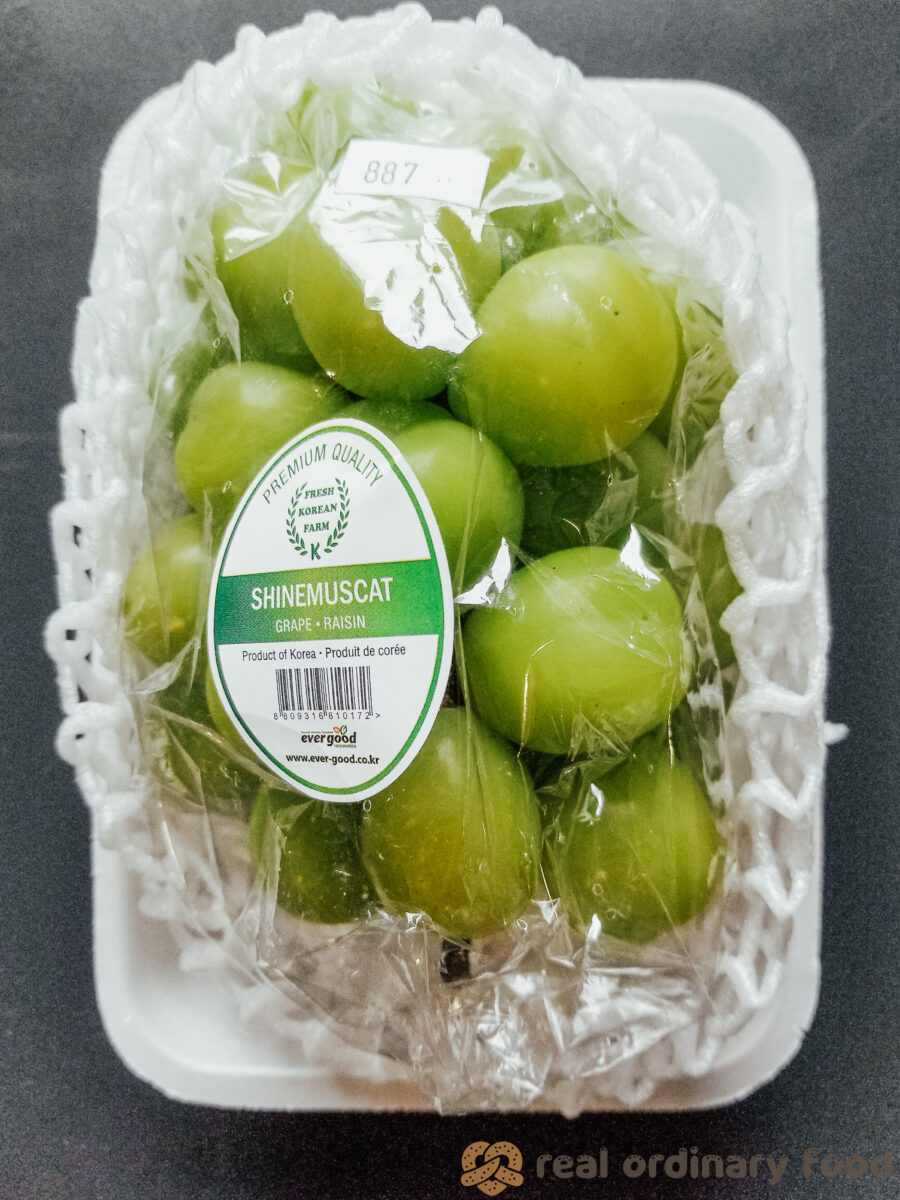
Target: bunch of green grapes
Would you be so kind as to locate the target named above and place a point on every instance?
(537, 444)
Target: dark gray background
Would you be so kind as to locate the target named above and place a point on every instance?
(73, 1122)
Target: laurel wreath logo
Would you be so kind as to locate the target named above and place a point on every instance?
(296, 541)
(340, 527)
(337, 531)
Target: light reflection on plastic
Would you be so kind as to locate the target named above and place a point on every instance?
(632, 555)
(493, 581)
(597, 793)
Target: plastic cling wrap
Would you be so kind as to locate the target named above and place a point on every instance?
(450, 655)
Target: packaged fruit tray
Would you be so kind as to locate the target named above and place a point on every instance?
(443, 626)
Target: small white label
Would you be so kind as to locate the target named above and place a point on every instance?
(330, 624)
(375, 168)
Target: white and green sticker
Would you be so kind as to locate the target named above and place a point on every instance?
(330, 623)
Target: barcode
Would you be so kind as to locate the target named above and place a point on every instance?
(324, 689)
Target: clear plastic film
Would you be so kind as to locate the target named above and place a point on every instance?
(533, 904)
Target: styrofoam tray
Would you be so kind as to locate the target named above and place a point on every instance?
(180, 1031)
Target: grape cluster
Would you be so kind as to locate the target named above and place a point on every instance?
(528, 370)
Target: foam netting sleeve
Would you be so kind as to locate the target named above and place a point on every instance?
(768, 510)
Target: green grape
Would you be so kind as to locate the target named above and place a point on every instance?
(392, 415)
(572, 506)
(534, 211)
(349, 338)
(473, 490)
(457, 836)
(581, 650)
(472, 487)
(595, 504)
(206, 767)
(380, 294)
(205, 352)
(164, 603)
(220, 718)
(573, 220)
(635, 537)
(255, 278)
(655, 494)
(703, 378)
(637, 851)
(476, 249)
(502, 160)
(661, 425)
(654, 481)
(717, 582)
(184, 694)
(256, 286)
(310, 847)
(577, 354)
(187, 753)
(516, 222)
(239, 416)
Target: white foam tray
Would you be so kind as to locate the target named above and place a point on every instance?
(179, 1031)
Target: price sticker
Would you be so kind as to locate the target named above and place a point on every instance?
(377, 168)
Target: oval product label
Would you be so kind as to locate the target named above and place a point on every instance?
(330, 622)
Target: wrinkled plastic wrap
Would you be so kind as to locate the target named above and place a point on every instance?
(583, 881)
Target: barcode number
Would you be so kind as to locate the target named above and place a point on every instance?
(324, 689)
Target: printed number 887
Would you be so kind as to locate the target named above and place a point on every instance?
(379, 172)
